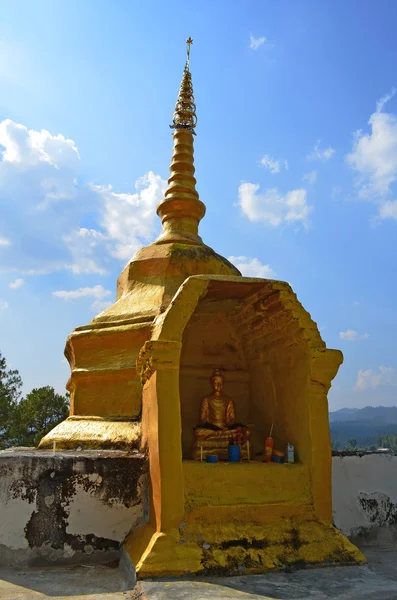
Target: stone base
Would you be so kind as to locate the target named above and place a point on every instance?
(69, 507)
(241, 518)
(93, 432)
(241, 541)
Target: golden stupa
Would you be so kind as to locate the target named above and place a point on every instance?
(140, 369)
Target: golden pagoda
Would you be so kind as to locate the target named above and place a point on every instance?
(140, 371)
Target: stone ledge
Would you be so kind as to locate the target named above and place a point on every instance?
(66, 507)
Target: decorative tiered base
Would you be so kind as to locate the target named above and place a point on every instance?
(239, 521)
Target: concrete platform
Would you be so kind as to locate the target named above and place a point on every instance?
(375, 581)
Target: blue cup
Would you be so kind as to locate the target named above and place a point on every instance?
(212, 458)
(234, 453)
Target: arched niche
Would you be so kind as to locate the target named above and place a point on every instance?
(253, 331)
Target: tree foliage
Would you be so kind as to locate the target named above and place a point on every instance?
(351, 444)
(23, 422)
(10, 392)
(37, 414)
(388, 441)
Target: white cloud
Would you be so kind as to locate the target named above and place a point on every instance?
(372, 380)
(355, 304)
(311, 177)
(98, 292)
(321, 154)
(374, 158)
(350, 335)
(130, 218)
(273, 165)
(15, 284)
(255, 43)
(4, 241)
(83, 245)
(3, 305)
(55, 220)
(271, 207)
(252, 267)
(29, 147)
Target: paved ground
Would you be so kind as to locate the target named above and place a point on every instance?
(375, 581)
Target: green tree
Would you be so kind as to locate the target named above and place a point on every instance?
(389, 440)
(10, 392)
(37, 414)
(351, 444)
(335, 445)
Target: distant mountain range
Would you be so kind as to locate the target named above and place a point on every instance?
(363, 424)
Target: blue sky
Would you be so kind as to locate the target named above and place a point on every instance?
(296, 160)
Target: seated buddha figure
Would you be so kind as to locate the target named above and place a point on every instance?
(217, 423)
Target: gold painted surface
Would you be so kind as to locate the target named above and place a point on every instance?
(254, 517)
(243, 483)
(217, 410)
(102, 354)
(181, 210)
(227, 549)
(93, 432)
(179, 294)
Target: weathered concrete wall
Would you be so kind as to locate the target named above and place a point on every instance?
(69, 506)
(365, 495)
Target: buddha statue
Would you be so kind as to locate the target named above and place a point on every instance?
(218, 425)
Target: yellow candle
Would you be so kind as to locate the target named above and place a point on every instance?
(248, 451)
(201, 450)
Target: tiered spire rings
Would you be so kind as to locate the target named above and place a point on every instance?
(181, 210)
(184, 116)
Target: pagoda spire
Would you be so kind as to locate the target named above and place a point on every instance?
(182, 210)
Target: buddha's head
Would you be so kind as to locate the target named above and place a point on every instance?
(217, 381)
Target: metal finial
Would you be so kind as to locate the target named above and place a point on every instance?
(189, 42)
(184, 116)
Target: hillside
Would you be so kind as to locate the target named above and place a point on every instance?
(365, 424)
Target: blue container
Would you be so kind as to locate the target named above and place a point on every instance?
(277, 459)
(212, 458)
(234, 453)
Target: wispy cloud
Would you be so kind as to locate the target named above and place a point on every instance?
(256, 43)
(3, 305)
(321, 153)
(311, 177)
(370, 379)
(384, 100)
(98, 292)
(252, 267)
(374, 159)
(388, 210)
(273, 165)
(16, 284)
(350, 335)
(99, 305)
(273, 208)
(4, 241)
